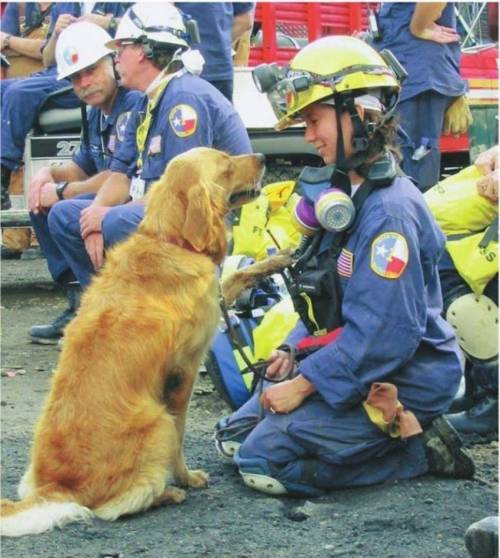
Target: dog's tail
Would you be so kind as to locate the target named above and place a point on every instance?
(44, 509)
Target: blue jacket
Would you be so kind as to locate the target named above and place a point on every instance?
(191, 113)
(9, 23)
(430, 65)
(391, 308)
(215, 23)
(105, 133)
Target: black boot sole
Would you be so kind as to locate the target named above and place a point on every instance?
(449, 436)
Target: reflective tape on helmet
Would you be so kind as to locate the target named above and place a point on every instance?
(475, 321)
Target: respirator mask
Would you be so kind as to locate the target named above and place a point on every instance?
(322, 206)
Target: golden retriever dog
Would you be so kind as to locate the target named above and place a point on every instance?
(109, 440)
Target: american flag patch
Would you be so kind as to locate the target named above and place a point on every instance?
(344, 263)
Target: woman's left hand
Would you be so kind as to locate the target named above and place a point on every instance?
(287, 396)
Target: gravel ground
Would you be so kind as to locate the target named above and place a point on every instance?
(422, 518)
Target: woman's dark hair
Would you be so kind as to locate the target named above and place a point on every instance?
(382, 135)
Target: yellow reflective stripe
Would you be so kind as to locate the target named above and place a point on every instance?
(310, 314)
(247, 378)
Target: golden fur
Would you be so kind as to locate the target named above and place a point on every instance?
(109, 440)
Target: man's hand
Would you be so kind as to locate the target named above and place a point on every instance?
(63, 21)
(94, 244)
(488, 186)
(279, 364)
(487, 161)
(41, 177)
(91, 219)
(287, 396)
(97, 19)
(438, 34)
(48, 196)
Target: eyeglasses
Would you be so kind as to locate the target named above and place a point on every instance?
(122, 45)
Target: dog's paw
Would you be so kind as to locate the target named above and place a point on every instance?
(171, 495)
(197, 479)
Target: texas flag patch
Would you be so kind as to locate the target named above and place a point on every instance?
(183, 119)
(389, 255)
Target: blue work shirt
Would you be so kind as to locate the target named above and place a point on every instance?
(430, 65)
(190, 113)
(391, 308)
(105, 133)
(215, 23)
(9, 22)
(117, 9)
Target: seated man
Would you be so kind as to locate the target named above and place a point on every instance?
(22, 98)
(91, 73)
(179, 111)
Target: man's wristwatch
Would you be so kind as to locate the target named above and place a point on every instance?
(60, 187)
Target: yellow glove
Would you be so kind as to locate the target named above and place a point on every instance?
(457, 118)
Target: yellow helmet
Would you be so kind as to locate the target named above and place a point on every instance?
(328, 66)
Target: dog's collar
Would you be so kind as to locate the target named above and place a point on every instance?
(182, 243)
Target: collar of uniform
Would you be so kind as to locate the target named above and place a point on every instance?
(158, 84)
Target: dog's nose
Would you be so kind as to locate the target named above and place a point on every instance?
(261, 158)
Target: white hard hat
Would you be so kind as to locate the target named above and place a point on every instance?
(158, 22)
(80, 45)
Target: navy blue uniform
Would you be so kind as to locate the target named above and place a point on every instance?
(215, 23)
(22, 98)
(433, 82)
(393, 332)
(105, 135)
(191, 113)
(9, 22)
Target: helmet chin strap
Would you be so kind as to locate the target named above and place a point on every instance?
(340, 178)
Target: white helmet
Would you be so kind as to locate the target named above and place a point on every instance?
(80, 45)
(158, 22)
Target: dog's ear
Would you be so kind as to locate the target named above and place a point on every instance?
(197, 229)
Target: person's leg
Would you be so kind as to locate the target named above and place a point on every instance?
(315, 448)
(422, 157)
(21, 100)
(62, 274)
(121, 221)
(64, 228)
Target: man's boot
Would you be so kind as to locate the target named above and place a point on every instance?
(480, 419)
(51, 333)
(444, 451)
(4, 183)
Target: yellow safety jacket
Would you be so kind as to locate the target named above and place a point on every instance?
(468, 221)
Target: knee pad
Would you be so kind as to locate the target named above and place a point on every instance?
(475, 321)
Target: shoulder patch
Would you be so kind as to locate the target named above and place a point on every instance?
(183, 119)
(389, 255)
(121, 124)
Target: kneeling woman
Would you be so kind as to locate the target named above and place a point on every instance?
(366, 407)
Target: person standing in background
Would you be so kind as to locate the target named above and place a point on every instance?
(423, 38)
(220, 25)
